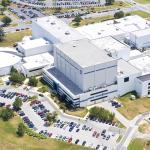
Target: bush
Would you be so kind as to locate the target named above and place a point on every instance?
(21, 130)
(101, 113)
(43, 89)
(16, 78)
(6, 114)
(33, 134)
(119, 14)
(6, 20)
(17, 104)
(33, 81)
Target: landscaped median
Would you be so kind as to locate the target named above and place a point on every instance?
(132, 108)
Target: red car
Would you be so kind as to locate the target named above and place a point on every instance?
(97, 135)
(94, 133)
(70, 139)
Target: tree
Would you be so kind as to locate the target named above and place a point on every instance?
(13, 70)
(51, 117)
(6, 114)
(119, 14)
(5, 3)
(21, 130)
(57, 9)
(109, 2)
(33, 81)
(17, 104)
(1, 34)
(101, 113)
(16, 77)
(77, 20)
(6, 20)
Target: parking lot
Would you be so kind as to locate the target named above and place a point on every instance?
(95, 135)
(24, 12)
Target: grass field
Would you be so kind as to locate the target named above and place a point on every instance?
(139, 144)
(143, 1)
(9, 140)
(132, 108)
(109, 17)
(93, 20)
(12, 38)
(80, 112)
(144, 127)
(141, 13)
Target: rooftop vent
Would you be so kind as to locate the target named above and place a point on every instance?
(53, 23)
(74, 45)
(67, 32)
(47, 20)
(99, 33)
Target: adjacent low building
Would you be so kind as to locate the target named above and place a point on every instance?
(33, 65)
(29, 46)
(8, 58)
(141, 38)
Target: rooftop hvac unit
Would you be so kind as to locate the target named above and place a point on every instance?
(67, 32)
(109, 54)
(53, 23)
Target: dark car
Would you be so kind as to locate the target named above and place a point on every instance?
(84, 142)
(77, 141)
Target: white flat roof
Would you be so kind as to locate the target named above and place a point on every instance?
(8, 49)
(134, 53)
(109, 28)
(7, 59)
(142, 63)
(125, 69)
(99, 30)
(132, 23)
(109, 44)
(57, 28)
(84, 53)
(38, 61)
(29, 44)
(143, 32)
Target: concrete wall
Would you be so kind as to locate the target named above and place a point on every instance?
(89, 77)
(38, 31)
(125, 87)
(140, 42)
(36, 50)
(142, 87)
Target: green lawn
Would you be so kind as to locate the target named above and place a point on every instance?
(12, 38)
(92, 20)
(143, 1)
(141, 13)
(132, 108)
(9, 140)
(139, 144)
(80, 112)
(108, 17)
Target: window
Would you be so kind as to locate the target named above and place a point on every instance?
(126, 79)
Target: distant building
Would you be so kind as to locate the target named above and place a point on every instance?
(77, 3)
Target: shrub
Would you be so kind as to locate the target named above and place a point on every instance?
(33, 81)
(6, 114)
(21, 130)
(119, 14)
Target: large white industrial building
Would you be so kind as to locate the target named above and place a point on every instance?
(91, 63)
